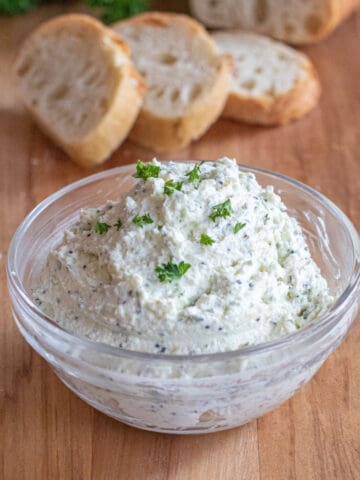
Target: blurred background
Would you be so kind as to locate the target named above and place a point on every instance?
(48, 433)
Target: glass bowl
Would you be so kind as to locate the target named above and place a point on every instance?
(186, 394)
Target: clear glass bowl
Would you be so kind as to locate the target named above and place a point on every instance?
(186, 394)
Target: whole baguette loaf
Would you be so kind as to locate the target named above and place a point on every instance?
(77, 81)
(272, 83)
(294, 21)
(188, 79)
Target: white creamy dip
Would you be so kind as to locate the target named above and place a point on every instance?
(198, 259)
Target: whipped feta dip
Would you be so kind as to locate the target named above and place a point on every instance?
(196, 258)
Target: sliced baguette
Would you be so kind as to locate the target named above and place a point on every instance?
(77, 81)
(294, 21)
(272, 83)
(188, 80)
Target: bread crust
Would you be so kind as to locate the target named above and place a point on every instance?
(340, 9)
(336, 12)
(316, 26)
(163, 133)
(279, 110)
(113, 127)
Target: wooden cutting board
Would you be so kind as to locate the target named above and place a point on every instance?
(48, 433)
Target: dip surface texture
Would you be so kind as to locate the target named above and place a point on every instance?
(197, 258)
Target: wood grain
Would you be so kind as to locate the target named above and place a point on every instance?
(48, 433)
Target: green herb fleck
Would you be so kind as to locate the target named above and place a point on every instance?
(170, 186)
(266, 218)
(238, 227)
(16, 7)
(297, 325)
(206, 240)
(114, 10)
(110, 10)
(102, 227)
(168, 272)
(221, 210)
(141, 221)
(194, 174)
(146, 171)
(118, 224)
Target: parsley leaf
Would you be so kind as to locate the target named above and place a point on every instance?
(194, 174)
(102, 227)
(146, 171)
(206, 240)
(117, 9)
(16, 7)
(170, 186)
(221, 210)
(118, 224)
(238, 227)
(168, 272)
(141, 221)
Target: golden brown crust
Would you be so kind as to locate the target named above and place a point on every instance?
(115, 124)
(98, 145)
(163, 19)
(278, 110)
(318, 27)
(166, 134)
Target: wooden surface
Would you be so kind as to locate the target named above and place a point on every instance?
(48, 433)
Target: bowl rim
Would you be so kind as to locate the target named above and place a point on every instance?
(307, 331)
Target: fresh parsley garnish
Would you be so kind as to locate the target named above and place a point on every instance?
(141, 221)
(101, 227)
(168, 272)
(118, 224)
(146, 171)
(16, 7)
(170, 186)
(206, 240)
(114, 10)
(221, 210)
(238, 227)
(194, 174)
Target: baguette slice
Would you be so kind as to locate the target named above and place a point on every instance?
(272, 83)
(295, 21)
(77, 81)
(188, 80)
